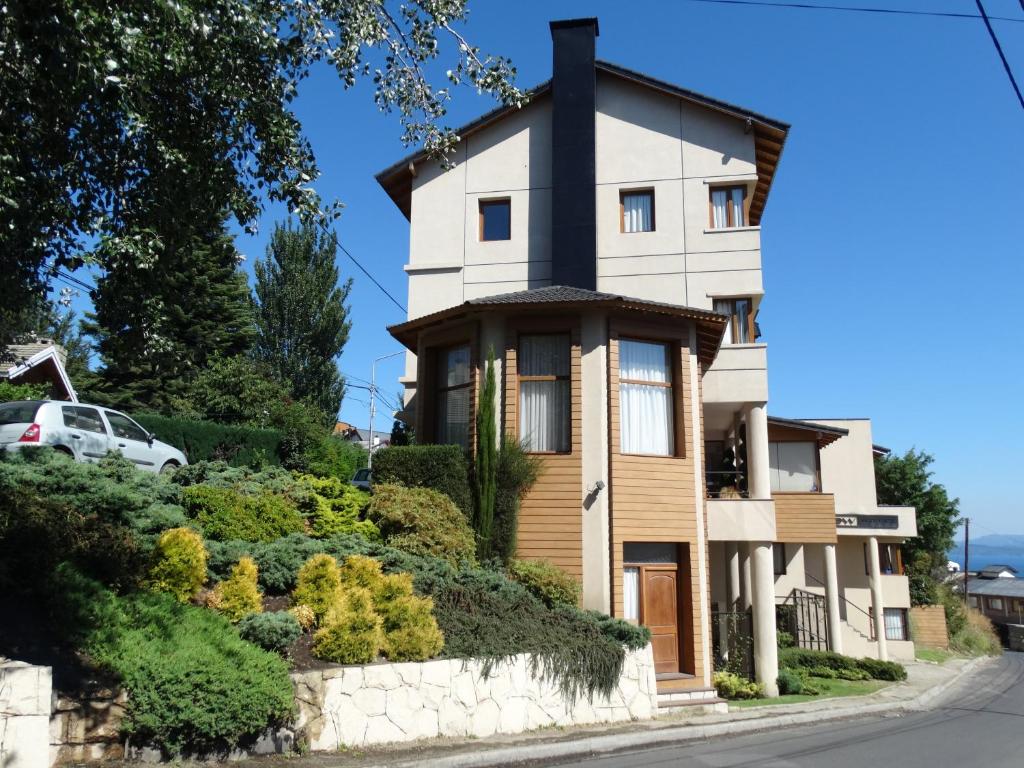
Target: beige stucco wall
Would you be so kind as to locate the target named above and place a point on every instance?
(848, 468)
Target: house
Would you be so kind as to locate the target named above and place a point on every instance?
(604, 243)
(362, 436)
(998, 593)
(39, 362)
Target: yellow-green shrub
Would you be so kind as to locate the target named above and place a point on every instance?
(318, 585)
(238, 595)
(361, 571)
(334, 507)
(178, 564)
(304, 615)
(351, 630)
(547, 581)
(422, 521)
(410, 629)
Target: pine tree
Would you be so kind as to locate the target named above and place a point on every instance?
(486, 471)
(156, 328)
(301, 316)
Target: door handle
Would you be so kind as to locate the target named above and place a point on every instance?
(121, 445)
(76, 437)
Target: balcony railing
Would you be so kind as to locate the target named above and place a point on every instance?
(726, 484)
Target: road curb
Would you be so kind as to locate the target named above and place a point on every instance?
(614, 742)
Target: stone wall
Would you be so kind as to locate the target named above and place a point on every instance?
(87, 728)
(24, 715)
(384, 703)
(1015, 637)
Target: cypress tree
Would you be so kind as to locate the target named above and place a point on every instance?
(301, 317)
(486, 474)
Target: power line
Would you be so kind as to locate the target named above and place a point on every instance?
(365, 272)
(999, 50)
(857, 9)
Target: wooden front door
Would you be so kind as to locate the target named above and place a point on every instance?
(660, 614)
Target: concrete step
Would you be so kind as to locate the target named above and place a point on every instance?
(687, 698)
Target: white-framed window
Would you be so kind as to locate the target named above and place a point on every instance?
(645, 398)
(453, 390)
(636, 210)
(793, 466)
(545, 393)
(741, 328)
(727, 207)
(631, 593)
(995, 603)
(896, 624)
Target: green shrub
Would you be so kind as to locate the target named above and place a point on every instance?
(882, 670)
(318, 585)
(835, 665)
(274, 631)
(632, 636)
(238, 596)
(224, 514)
(422, 521)
(731, 686)
(246, 480)
(784, 639)
(336, 458)
(548, 582)
(794, 682)
(977, 636)
(518, 470)
(10, 391)
(178, 564)
(207, 440)
(352, 631)
(192, 682)
(333, 506)
(441, 467)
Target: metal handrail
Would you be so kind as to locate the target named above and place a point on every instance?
(713, 485)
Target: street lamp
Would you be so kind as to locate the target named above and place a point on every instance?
(373, 402)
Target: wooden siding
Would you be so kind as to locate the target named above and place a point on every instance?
(928, 626)
(805, 518)
(652, 498)
(551, 516)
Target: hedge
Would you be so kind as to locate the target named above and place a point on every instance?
(441, 467)
(208, 441)
(832, 664)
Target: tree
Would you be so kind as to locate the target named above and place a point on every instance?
(301, 317)
(156, 328)
(485, 472)
(906, 481)
(116, 109)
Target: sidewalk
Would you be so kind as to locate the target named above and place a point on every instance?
(925, 684)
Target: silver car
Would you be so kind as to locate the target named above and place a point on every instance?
(86, 432)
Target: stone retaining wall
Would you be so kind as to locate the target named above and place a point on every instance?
(384, 703)
(24, 715)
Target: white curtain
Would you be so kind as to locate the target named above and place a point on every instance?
(793, 466)
(895, 628)
(544, 407)
(645, 410)
(719, 201)
(636, 212)
(631, 594)
(736, 199)
(725, 307)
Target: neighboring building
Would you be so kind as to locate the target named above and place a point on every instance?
(998, 593)
(362, 436)
(39, 362)
(604, 241)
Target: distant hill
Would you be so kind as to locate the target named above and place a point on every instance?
(991, 549)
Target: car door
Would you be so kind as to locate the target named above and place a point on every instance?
(87, 433)
(131, 440)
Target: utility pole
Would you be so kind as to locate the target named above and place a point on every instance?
(373, 403)
(967, 558)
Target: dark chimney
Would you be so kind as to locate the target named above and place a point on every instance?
(573, 194)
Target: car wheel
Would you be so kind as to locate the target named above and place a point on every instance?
(169, 468)
(63, 449)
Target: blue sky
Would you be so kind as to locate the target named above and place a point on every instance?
(891, 241)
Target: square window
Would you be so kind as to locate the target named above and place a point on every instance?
(636, 210)
(728, 207)
(496, 219)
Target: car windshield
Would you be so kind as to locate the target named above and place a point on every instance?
(362, 474)
(21, 412)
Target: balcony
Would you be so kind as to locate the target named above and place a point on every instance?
(738, 375)
(805, 518)
(732, 515)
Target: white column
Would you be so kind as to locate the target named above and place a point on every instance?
(732, 571)
(594, 407)
(877, 606)
(758, 475)
(835, 627)
(746, 593)
(766, 648)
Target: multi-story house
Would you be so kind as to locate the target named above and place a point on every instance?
(604, 242)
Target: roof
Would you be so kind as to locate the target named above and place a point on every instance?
(824, 435)
(996, 587)
(992, 571)
(710, 325)
(21, 353)
(769, 137)
(37, 356)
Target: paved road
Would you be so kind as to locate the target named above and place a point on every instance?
(979, 724)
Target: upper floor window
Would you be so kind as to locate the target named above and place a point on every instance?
(544, 392)
(727, 209)
(741, 328)
(636, 210)
(645, 398)
(890, 559)
(793, 466)
(453, 390)
(496, 219)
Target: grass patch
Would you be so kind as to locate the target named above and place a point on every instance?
(934, 655)
(830, 689)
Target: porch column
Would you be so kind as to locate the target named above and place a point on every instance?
(732, 571)
(877, 606)
(766, 649)
(835, 627)
(759, 478)
(745, 591)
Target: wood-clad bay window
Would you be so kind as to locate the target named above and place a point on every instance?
(645, 398)
(453, 396)
(741, 328)
(728, 207)
(636, 210)
(544, 392)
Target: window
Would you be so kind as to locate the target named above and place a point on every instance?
(496, 219)
(631, 594)
(636, 210)
(88, 419)
(741, 328)
(995, 603)
(890, 559)
(896, 624)
(453, 389)
(727, 209)
(793, 466)
(779, 553)
(20, 412)
(645, 398)
(544, 397)
(972, 601)
(125, 428)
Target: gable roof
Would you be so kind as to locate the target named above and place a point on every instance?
(996, 587)
(38, 356)
(710, 325)
(993, 571)
(769, 137)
